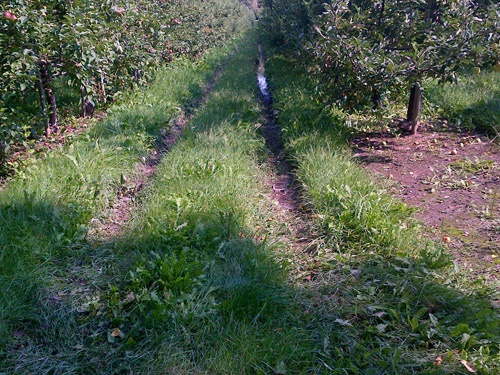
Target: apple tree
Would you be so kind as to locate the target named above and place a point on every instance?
(368, 50)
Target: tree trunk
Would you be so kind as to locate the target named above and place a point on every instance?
(103, 89)
(46, 81)
(381, 14)
(87, 105)
(414, 107)
(376, 99)
(41, 94)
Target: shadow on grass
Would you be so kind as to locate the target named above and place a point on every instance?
(34, 238)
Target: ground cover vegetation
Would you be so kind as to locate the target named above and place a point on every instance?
(46, 212)
(339, 43)
(205, 278)
(386, 299)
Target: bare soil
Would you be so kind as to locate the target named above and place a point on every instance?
(452, 178)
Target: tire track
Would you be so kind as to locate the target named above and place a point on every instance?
(285, 191)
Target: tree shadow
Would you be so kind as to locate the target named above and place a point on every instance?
(34, 241)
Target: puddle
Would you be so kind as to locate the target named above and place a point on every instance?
(263, 87)
(261, 78)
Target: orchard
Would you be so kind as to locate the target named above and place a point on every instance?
(93, 50)
(368, 52)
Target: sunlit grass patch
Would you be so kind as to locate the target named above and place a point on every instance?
(473, 102)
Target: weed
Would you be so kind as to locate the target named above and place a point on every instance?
(471, 166)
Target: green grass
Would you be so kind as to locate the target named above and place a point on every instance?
(46, 209)
(201, 282)
(208, 297)
(473, 102)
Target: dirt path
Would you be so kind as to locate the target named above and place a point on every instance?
(453, 179)
(285, 190)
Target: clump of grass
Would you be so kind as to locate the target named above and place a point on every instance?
(473, 102)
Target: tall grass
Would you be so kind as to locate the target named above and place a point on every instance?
(473, 102)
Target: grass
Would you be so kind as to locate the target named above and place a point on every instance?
(215, 299)
(473, 102)
(386, 299)
(201, 282)
(46, 209)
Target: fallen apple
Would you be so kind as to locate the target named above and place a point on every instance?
(476, 70)
(9, 16)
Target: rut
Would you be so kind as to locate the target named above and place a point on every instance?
(112, 224)
(285, 191)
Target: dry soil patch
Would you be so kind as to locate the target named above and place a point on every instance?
(453, 179)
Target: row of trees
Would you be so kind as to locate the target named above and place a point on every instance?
(97, 48)
(367, 50)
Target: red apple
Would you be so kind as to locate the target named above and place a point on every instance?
(9, 16)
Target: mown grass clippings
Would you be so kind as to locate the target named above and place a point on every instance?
(473, 166)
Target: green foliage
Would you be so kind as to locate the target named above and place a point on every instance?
(368, 51)
(100, 48)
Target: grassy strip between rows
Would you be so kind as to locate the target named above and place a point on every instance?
(387, 299)
(189, 288)
(46, 209)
